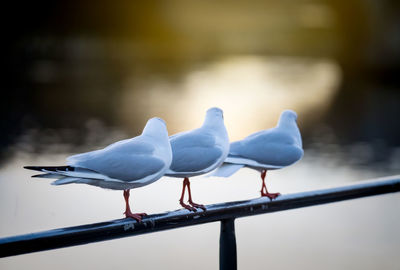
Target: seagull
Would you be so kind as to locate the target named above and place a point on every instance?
(199, 151)
(123, 165)
(269, 149)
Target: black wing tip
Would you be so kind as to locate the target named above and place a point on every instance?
(35, 168)
(50, 168)
(37, 175)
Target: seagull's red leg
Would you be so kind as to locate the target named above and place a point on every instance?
(264, 191)
(263, 186)
(184, 205)
(190, 198)
(128, 213)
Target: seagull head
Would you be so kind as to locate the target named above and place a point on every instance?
(156, 127)
(214, 118)
(289, 114)
(215, 112)
(158, 119)
(288, 117)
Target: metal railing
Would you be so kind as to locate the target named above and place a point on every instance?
(224, 212)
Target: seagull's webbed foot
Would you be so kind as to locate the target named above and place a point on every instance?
(195, 205)
(191, 206)
(271, 196)
(137, 216)
(188, 207)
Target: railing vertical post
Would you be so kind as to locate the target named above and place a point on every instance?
(227, 245)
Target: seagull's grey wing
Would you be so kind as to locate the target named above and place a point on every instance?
(194, 152)
(270, 136)
(273, 148)
(258, 133)
(178, 135)
(136, 145)
(126, 167)
(260, 138)
(130, 161)
(195, 138)
(235, 148)
(71, 160)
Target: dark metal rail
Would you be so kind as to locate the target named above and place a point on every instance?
(224, 212)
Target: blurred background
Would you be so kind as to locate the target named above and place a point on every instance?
(81, 74)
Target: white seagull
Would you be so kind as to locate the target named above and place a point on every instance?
(123, 165)
(269, 149)
(198, 152)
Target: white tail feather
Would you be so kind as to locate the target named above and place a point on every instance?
(227, 169)
(66, 180)
(48, 175)
(83, 173)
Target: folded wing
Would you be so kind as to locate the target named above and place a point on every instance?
(194, 152)
(128, 161)
(273, 148)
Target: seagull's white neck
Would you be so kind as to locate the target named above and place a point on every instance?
(212, 121)
(286, 122)
(289, 124)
